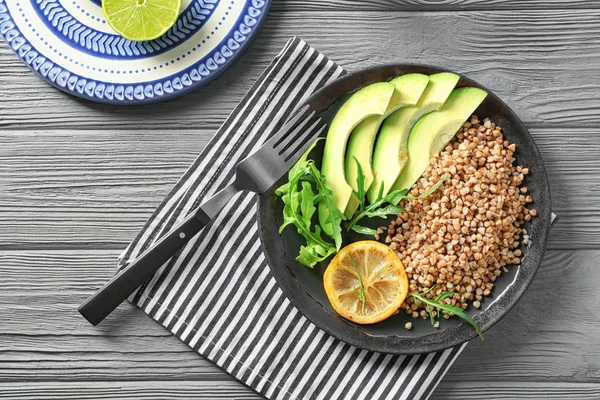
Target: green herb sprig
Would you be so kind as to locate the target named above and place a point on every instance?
(300, 202)
(437, 305)
(359, 293)
(377, 208)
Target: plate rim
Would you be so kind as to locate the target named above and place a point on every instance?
(437, 341)
(83, 94)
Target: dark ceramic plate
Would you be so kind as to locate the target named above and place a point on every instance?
(304, 286)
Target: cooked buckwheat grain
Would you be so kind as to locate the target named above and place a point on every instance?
(461, 237)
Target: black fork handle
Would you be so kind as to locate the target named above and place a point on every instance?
(113, 293)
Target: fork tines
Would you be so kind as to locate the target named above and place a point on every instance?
(282, 134)
(295, 136)
(304, 140)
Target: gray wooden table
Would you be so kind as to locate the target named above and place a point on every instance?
(77, 180)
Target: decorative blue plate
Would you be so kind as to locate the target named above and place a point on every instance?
(70, 45)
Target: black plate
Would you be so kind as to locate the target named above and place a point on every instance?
(304, 286)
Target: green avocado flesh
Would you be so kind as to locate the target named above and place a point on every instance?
(370, 101)
(360, 145)
(433, 131)
(391, 153)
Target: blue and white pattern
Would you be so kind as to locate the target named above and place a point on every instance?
(70, 45)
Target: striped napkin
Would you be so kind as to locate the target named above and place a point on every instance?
(218, 295)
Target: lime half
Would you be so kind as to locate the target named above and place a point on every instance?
(141, 20)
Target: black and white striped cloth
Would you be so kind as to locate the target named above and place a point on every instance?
(217, 294)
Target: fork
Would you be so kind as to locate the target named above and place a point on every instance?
(256, 173)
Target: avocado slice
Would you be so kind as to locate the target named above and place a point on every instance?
(409, 88)
(433, 131)
(391, 153)
(369, 101)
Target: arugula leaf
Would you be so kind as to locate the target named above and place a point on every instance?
(360, 184)
(294, 171)
(381, 189)
(318, 197)
(373, 210)
(383, 212)
(443, 296)
(363, 230)
(299, 208)
(438, 305)
(376, 209)
(314, 252)
(334, 215)
(395, 196)
(430, 191)
(291, 199)
(307, 206)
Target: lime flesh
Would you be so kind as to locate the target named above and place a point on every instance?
(141, 20)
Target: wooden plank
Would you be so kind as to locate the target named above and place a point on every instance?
(59, 185)
(438, 5)
(42, 338)
(32, 278)
(91, 364)
(168, 390)
(73, 358)
(95, 189)
(499, 390)
(542, 62)
(134, 390)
